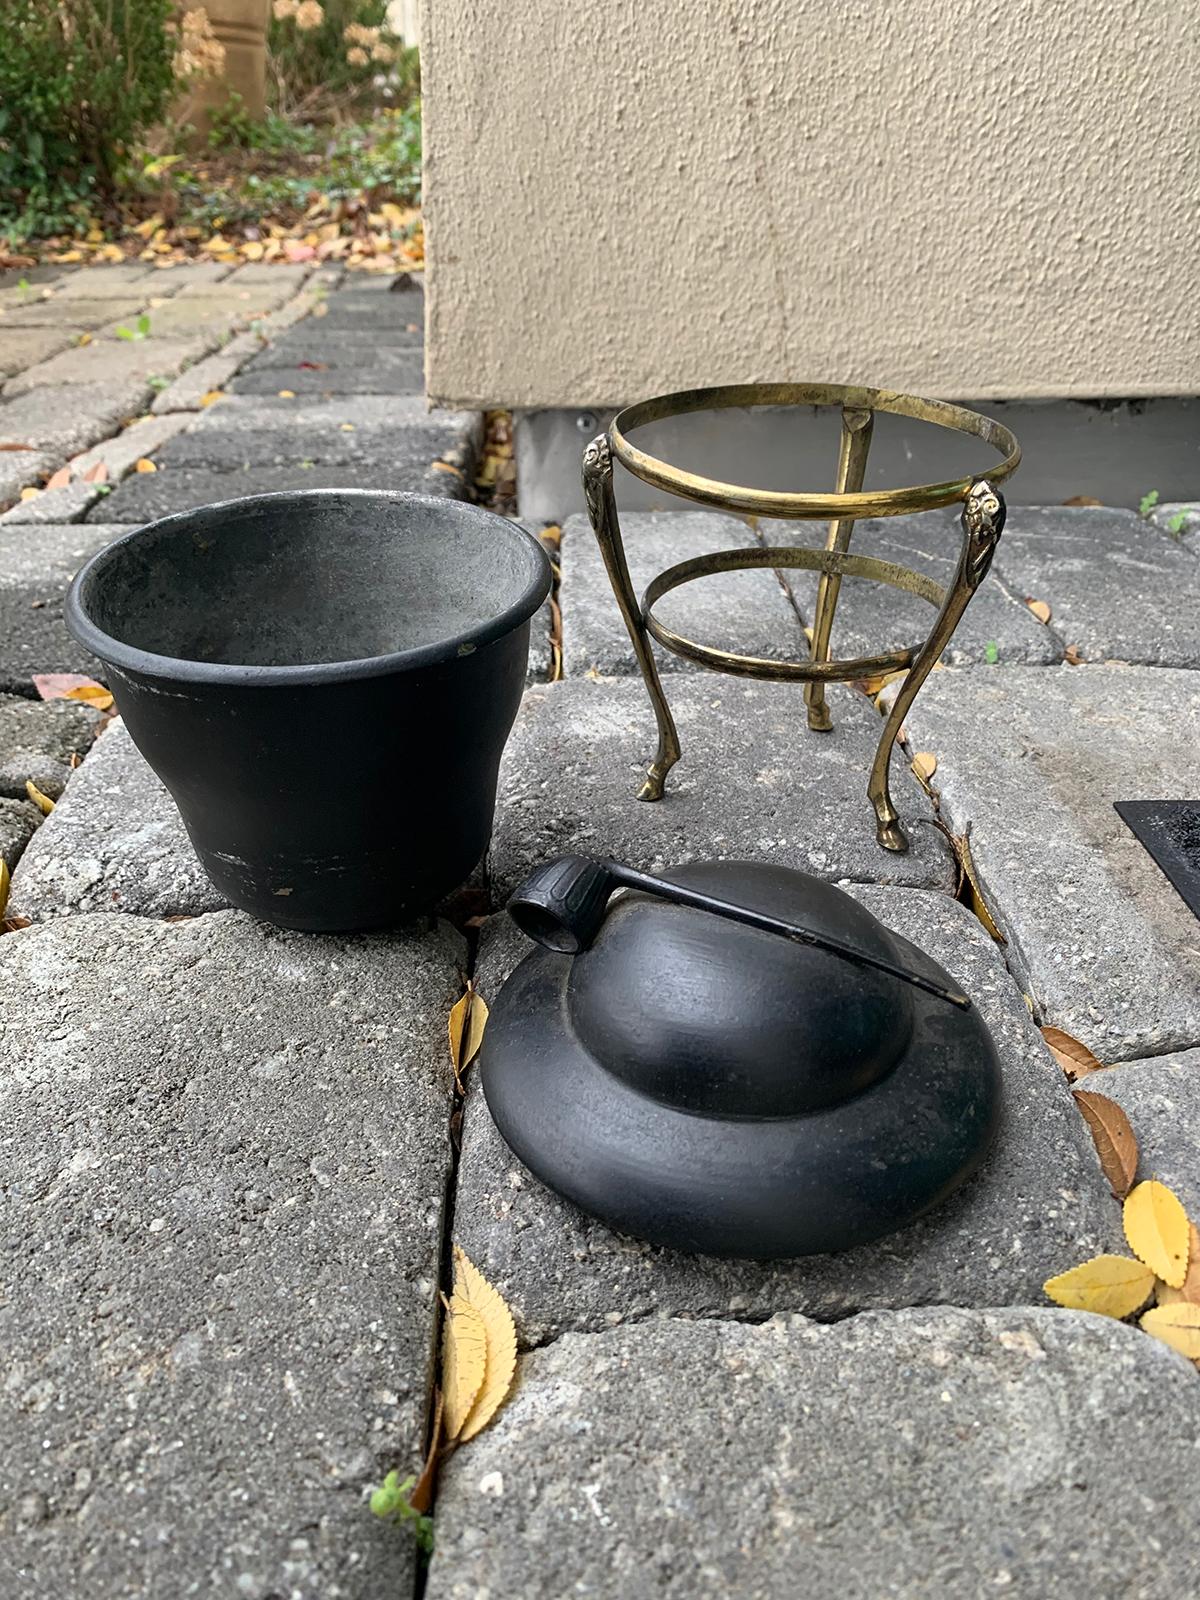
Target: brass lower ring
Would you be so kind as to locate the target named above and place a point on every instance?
(787, 556)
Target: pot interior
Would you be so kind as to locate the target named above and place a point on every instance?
(294, 580)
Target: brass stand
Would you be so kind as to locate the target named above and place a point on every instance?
(982, 521)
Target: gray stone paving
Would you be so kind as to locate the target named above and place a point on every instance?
(1161, 1097)
(38, 740)
(748, 612)
(1038, 1202)
(913, 1454)
(753, 783)
(225, 1153)
(873, 617)
(227, 1149)
(34, 575)
(1030, 761)
(1118, 588)
(115, 842)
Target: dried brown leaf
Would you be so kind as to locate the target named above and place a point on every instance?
(1072, 656)
(211, 398)
(1114, 1138)
(1109, 1286)
(22, 448)
(1040, 610)
(58, 685)
(1177, 1325)
(1158, 1231)
(5, 880)
(1072, 1055)
(1190, 1288)
(97, 473)
(59, 479)
(91, 694)
(464, 1361)
(43, 802)
(974, 890)
(468, 1019)
(1082, 500)
(501, 1344)
(421, 1497)
(924, 764)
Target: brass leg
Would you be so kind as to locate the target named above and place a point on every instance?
(852, 464)
(982, 522)
(602, 509)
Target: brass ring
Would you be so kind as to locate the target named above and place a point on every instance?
(770, 503)
(787, 556)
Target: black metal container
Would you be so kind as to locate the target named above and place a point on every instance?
(325, 682)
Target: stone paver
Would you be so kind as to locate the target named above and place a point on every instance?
(188, 390)
(145, 438)
(144, 497)
(872, 617)
(224, 1154)
(110, 362)
(1161, 1096)
(24, 347)
(38, 739)
(404, 375)
(115, 842)
(1030, 762)
(74, 315)
(54, 507)
(19, 820)
(753, 783)
(214, 316)
(34, 576)
(1037, 1204)
(1118, 588)
(918, 1454)
(20, 469)
(64, 419)
(417, 444)
(747, 612)
(110, 282)
(311, 341)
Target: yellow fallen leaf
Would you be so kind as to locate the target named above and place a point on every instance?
(501, 1344)
(287, 394)
(924, 764)
(69, 256)
(468, 1018)
(464, 1362)
(1177, 1325)
(1110, 1286)
(1114, 1138)
(84, 338)
(254, 250)
(144, 465)
(1040, 610)
(1072, 1055)
(5, 879)
(43, 802)
(974, 889)
(211, 398)
(92, 694)
(1190, 1289)
(1156, 1227)
(30, 493)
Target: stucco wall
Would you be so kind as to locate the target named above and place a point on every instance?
(960, 197)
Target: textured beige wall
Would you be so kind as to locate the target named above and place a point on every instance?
(960, 197)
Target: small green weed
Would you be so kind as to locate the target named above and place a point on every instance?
(140, 329)
(991, 652)
(1177, 523)
(1147, 503)
(390, 1501)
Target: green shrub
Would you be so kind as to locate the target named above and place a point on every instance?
(326, 54)
(79, 81)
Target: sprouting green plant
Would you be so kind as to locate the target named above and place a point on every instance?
(991, 652)
(159, 382)
(140, 329)
(1177, 523)
(24, 288)
(390, 1501)
(1147, 503)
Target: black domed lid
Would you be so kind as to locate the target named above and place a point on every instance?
(724, 1020)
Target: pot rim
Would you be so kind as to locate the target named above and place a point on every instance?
(148, 663)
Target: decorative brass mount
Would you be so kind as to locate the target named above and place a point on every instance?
(982, 521)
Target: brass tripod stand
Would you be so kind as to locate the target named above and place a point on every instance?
(982, 521)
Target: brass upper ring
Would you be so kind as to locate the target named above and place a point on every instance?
(772, 503)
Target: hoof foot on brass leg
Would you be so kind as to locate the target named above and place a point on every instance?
(891, 835)
(652, 789)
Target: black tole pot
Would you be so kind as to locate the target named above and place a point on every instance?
(325, 682)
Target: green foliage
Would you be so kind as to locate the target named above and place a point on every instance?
(79, 81)
(390, 1501)
(380, 158)
(991, 652)
(330, 52)
(1177, 523)
(140, 329)
(1147, 503)
(233, 128)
